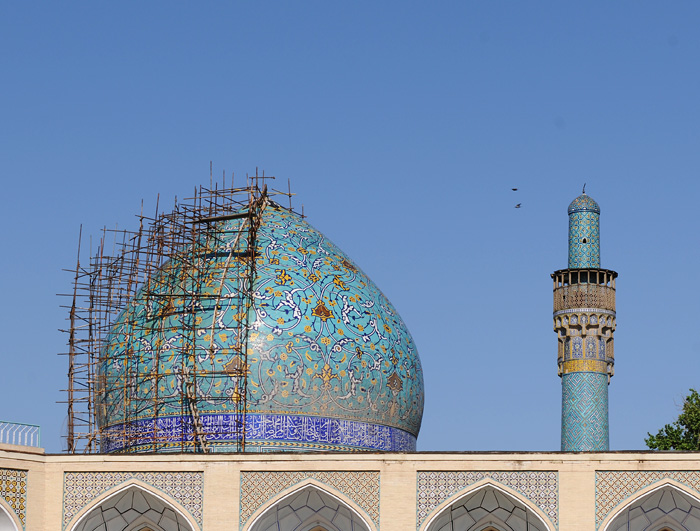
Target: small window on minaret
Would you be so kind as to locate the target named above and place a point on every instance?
(584, 240)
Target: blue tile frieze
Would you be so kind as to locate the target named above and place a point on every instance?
(285, 432)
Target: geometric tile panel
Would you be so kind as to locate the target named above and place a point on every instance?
(584, 233)
(13, 489)
(80, 488)
(583, 226)
(612, 488)
(584, 410)
(259, 487)
(541, 488)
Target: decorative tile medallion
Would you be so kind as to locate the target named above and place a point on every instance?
(80, 488)
(259, 487)
(13, 489)
(541, 488)
(613, 488)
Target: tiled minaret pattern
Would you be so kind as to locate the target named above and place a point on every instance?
(584, 321)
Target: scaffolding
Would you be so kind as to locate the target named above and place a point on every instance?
(160, 269)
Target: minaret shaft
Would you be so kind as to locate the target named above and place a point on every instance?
(584, 321)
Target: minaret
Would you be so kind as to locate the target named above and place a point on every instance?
(584, 320)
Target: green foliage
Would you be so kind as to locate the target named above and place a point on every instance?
(684, 434)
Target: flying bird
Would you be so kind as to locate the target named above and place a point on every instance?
(518, 205)
(514, 189)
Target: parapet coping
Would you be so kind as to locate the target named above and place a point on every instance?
(637, 458)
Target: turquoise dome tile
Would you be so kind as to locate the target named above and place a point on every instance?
(331, 364)
(584, 203)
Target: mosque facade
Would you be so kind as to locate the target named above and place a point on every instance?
(298, 408)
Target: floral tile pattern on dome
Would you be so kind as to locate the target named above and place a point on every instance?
(81, 488)
(434, 488)
(614, 487)
(259, 487)
(323, 341)
(13, 489)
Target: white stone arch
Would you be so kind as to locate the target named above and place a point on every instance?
(359, 519)
(623, 511)
(9, 521)
(173, 517)
(434, 521)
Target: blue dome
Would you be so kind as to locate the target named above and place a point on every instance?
(584, 203)
(330, 363)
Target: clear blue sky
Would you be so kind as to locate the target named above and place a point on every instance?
(402, 126)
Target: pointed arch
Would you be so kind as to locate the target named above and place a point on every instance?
(311, 504)
(9, 521)
(137, 506)
(457, 508)
(674, 499)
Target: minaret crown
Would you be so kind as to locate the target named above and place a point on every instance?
(584, 203)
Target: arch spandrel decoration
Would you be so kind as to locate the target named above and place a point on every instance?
(434, 488)
(80, 489)
(259, 488)
(616, 489)
(13, 490)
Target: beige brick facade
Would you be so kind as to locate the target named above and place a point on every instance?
(391, 492)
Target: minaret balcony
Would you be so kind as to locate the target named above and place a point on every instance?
(584, 288)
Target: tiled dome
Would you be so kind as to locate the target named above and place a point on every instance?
(584, 203)
(331, 364)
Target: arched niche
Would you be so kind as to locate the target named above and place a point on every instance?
(488, 508)
(665, 508)
(132, 508)
(309, 508)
